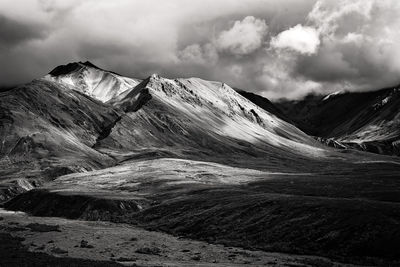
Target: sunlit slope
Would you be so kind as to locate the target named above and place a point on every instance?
(197, 116)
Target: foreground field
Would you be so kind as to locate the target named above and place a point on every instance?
(349, 215)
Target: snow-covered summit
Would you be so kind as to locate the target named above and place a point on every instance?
(182, 111)
(92, 80)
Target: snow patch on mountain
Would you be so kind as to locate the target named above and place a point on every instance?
(333, 95)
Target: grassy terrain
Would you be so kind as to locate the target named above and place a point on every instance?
(347, 229)
(349, 212)
(102, 242)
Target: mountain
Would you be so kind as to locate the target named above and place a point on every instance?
(367, 121)
(184, 118)
(194, 116)
(80, 117)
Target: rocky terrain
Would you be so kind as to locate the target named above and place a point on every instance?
(145, 163)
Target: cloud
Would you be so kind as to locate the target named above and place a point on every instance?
(13, 32)
(340, 17)
(132, 37)
(299, 38)
(359, 44)
(328, 65)
(277, 48)
(244, 37)
(357, 50)
(199, 54)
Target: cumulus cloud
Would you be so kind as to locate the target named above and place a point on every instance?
(244, 37)
(298, 38)
(357, 49)
(359, 43)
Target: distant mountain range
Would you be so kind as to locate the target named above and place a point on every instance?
(367, 121)
(81, 117)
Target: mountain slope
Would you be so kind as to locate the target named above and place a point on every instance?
(367, 121)
(47, 128)
(265, 104)
(185, 117)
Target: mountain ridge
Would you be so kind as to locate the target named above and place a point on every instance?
(54, 126)
(180, 89)
(171, 108)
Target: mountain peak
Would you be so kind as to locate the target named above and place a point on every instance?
(65, 69)
(89, 64)
(71, 67)
(155, 76)
(91, 80)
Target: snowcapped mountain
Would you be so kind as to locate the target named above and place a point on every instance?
(91, 80)
(57, 125)
(56, 121)
(161, 113)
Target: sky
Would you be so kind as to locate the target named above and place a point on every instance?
(275, 48)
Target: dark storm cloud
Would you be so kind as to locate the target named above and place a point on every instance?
(278, 48)
(326, 66)
(13, 32)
